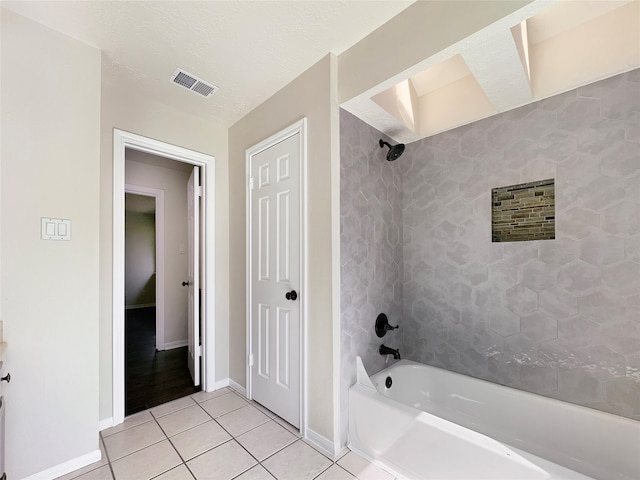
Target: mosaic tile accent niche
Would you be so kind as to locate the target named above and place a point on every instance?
(523, 212)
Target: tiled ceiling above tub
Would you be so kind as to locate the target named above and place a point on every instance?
(544, 49)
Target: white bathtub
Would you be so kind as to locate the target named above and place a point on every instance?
(435, 424)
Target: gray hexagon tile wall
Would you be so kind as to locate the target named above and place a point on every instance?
(558, 317)
(371, 248)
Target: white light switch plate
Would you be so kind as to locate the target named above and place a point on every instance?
(56, 229)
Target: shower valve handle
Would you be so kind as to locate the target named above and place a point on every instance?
(382, 325)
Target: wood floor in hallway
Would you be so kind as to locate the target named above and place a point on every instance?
(152, 377)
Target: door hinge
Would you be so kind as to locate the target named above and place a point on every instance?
(251, 183)
(199, 191)
(251, 359)
(199, 351)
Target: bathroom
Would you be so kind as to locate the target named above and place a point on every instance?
(557, 318)
(417, 246)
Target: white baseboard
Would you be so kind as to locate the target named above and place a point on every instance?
(177, 344)
(323, 443)
(227, 382)
(66, 467)
(342, 451)
(142, 305)
(221, 384)
(238, 388)
(106, 423)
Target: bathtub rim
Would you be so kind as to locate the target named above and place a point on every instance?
(415, 415)
(576, 464)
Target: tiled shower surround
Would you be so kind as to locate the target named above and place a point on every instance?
(370, 248)
(558, 317)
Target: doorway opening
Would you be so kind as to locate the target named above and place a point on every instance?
(156, 264)
(197, 284)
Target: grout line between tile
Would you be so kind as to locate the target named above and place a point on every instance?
(174, 411)
(177, 451)
(207, 451)
(139, 450)
(220, 394)
(225, 413)
(190, 471)
(165, 433)
(106, 454)
(251, 454)
(342, 468)
(124, 429)
(328, 467)
(176, 466)
(245, 471)
(234, 438)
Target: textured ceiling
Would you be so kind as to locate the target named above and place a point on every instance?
(250, 49)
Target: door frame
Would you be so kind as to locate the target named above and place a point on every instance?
(301, 128)
(158, 195)
(121, 141)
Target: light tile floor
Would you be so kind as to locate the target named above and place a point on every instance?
(216, 436)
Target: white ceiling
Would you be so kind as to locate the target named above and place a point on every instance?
(250, 49)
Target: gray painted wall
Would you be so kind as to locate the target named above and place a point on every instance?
(139, 258)
(558, 317)
(50, 292)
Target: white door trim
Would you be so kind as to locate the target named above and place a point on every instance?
(158, 195)
(301, 128)
(193, 276)
(121, 141)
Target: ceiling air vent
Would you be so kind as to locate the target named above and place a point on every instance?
(193, 83)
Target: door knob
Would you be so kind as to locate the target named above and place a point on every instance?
(6, 378)
(292, 295)
(185, 284)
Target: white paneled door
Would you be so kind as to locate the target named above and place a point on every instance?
(275, 278)
(194, 192)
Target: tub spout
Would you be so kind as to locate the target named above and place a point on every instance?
(384, 350)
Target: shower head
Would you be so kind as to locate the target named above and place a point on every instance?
(394, 150)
